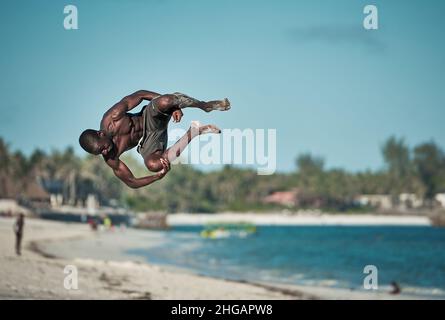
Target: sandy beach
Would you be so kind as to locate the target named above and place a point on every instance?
(106, 272)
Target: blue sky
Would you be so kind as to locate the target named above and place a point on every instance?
(306, 68)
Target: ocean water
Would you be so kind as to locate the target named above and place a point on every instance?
(331, 256)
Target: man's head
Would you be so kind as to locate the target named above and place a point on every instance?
(95, 142)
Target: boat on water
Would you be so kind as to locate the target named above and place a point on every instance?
(227, 230)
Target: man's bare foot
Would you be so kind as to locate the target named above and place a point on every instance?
(196, 126)
(221, 105)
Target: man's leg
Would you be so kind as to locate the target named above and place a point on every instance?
(195, 130)
(170, 102)
(153, 162)
(18, 244)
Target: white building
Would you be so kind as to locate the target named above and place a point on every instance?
(381, 201)
(410, 201)
(440, 198)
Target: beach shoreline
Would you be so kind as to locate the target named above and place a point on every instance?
(105, 273)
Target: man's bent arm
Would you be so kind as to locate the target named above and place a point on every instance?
(123, 172)
(133, 100)
(130, 102)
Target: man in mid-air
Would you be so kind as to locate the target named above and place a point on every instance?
(121, 131)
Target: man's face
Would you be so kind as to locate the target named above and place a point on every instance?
(104, 145)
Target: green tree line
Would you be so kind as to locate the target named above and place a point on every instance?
(419, 170)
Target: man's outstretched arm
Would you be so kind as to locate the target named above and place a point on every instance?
(123, 172)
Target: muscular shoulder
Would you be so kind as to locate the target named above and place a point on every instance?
(105, 122)
(113, 114)
(112, 161)
(110, 123)
(112, 158)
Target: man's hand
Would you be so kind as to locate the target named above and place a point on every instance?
(177, 115)
(165, 168)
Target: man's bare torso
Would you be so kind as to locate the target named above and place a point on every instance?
(125, 132)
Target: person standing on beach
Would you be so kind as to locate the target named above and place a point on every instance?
(121, 131)
(18, 230)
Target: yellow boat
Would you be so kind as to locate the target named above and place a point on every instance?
(226, 230)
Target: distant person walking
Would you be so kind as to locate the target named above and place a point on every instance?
(18, 230)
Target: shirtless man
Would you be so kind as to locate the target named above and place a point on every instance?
(121, 131)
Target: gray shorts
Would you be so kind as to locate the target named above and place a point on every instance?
(155, 135)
